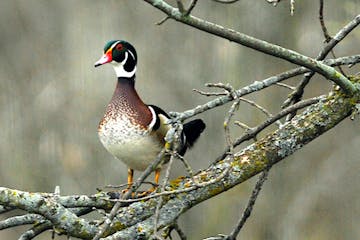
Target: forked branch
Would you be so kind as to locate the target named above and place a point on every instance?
(257, 44)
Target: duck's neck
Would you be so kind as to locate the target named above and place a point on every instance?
(125, 89)
(127, 101)
(125, 81)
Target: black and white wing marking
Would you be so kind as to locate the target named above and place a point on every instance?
(189, 135)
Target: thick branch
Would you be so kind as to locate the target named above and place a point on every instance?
(257, 44)
(60, 217)
(276, 146)
(20, 220)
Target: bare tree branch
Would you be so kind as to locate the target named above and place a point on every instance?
(252, 132)
(250, 205)
(191, 7)
(226, 1)
(259, 85)
(296, 95)
(180, 6)
(285, 86)
(259, 45)
(247, 212)
(322, 23)
(325, 31)
(20, 220)
(60, 217)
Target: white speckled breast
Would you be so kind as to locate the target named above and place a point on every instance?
(131, 144)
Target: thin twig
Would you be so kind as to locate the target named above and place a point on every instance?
(254, 104)
(227, 120)
(227, 87)
(257, 86)
(322, 23)
(126, 184)
(251, 133)
(191, 7)
(325, 31)
(242, 125)
(296, 95)
(247, 212)
(208, 94)
(226, 1)
(155, 195)
(186, 164)
(285, 86)
(180, 6)
(159, 204)
(231, 93)
(162, 20)
(262, 109)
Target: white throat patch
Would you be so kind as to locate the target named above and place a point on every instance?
(119, 67)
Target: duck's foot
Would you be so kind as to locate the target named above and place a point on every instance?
(146, 193)
(124, 191)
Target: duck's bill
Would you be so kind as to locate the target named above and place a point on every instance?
(106, 58)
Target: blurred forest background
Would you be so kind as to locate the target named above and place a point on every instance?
(52, 98)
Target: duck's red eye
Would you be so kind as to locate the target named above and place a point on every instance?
(119, 47)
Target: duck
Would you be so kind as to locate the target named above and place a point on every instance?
(131, 130)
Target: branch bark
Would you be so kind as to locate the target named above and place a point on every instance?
(49, 208)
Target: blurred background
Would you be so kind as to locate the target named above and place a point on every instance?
(52, 98)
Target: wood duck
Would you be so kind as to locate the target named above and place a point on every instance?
(131, 130)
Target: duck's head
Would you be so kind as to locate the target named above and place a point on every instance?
(122, 56)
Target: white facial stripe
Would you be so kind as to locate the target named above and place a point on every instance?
(131, 53)
(126, 57)
(112, 46)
